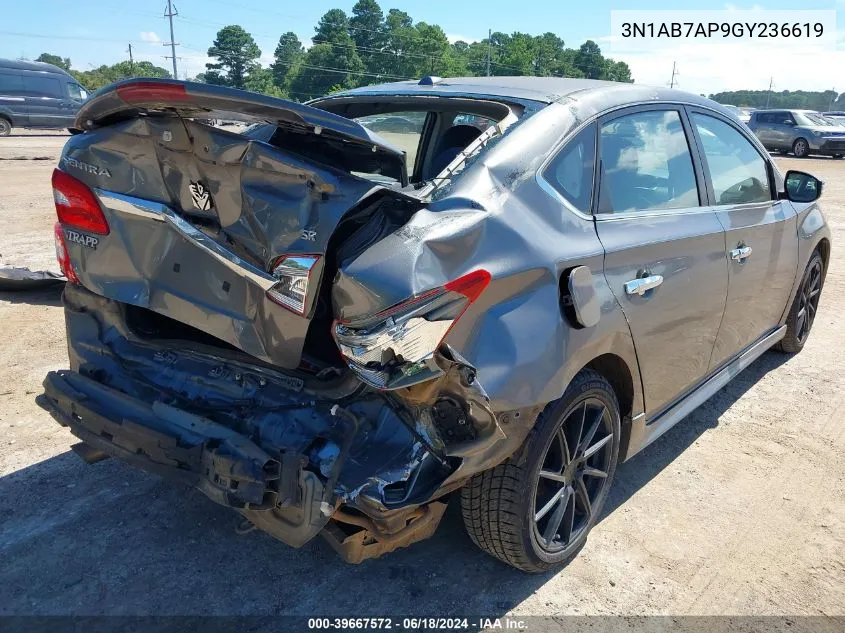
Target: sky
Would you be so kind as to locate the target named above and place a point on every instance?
(100, 34)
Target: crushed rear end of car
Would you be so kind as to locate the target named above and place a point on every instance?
(220, 333)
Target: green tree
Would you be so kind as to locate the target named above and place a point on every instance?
(617, 71)
(63, 63)
(262, 80)
(289, 53)
(590, 61)
(236, 54)
(105, 75)
(332, 61)
(332, 27)
(325, 67)
(367, 29)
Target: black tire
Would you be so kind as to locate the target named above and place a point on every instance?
(801, 148)
(500, 505)
(838, 156)
(802, 313)
(73, 131)
(5, 126)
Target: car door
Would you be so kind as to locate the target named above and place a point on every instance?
(762, 128)
(664, 249)
(46, 101)
(760, 231)
(12, 100)
(784, 130)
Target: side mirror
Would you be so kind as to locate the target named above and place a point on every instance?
(801, 187)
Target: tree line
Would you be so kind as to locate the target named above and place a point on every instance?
(366, 47)
(105, 75)
(797, 99)
(370, 46)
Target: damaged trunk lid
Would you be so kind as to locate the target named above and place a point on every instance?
(226, 231)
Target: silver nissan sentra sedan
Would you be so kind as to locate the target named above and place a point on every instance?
(480, 291)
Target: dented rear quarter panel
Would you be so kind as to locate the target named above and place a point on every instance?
(496, 216)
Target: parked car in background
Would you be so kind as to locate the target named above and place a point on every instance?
(802, 132)
(329, 342)
(743, 114)
(37, 95)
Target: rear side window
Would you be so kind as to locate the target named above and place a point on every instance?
(10, 84)
(42, 86)
(646, 164)
(737, 171)
(571, 171)
(402, 129)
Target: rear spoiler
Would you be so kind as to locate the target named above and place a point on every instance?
(134, 97)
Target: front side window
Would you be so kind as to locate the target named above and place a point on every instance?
(402, 129)
(737, 171)
(571, 171)
(646, 164)
(75, 91)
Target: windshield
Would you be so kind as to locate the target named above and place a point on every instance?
(811, 118)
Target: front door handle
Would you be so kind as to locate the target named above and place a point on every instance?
(642, 285)
(739, 254)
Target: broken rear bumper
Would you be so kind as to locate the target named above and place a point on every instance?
(295, 453)
(232, 470)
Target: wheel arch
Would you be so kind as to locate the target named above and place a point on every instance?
(823, 247)
(616, 371)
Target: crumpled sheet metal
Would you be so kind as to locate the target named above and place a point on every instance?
(22, 278)
(497, 216)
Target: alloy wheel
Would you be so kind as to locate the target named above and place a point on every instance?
(572, 475)
(808, 301)
(800, 148)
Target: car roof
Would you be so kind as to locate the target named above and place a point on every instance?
(44, 67)
(540, 89)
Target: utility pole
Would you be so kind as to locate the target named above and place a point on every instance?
(769, 94)
(489, 48)
(674, 74)
(131, 61)
(171, 11)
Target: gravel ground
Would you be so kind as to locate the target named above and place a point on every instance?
(737, 510)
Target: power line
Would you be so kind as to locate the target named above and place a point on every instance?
(347, 72)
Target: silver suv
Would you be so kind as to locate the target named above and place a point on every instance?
(802, 132)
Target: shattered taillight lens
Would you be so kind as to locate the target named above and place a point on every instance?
(62, 256)
(76, 205)
(293, 273)
(393, 348)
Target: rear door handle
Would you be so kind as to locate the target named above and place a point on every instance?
(739, 254)
(642, 285)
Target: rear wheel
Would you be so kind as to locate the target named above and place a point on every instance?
(800, 148)
(534, 511)
(838, 156)
(5, 126)
(802, 314)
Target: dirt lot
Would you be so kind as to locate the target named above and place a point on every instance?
(740, 509)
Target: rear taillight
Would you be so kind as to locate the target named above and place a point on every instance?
(76, 205)
(291, 290)
(62, 256)
(394, 348)
(150, 91)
